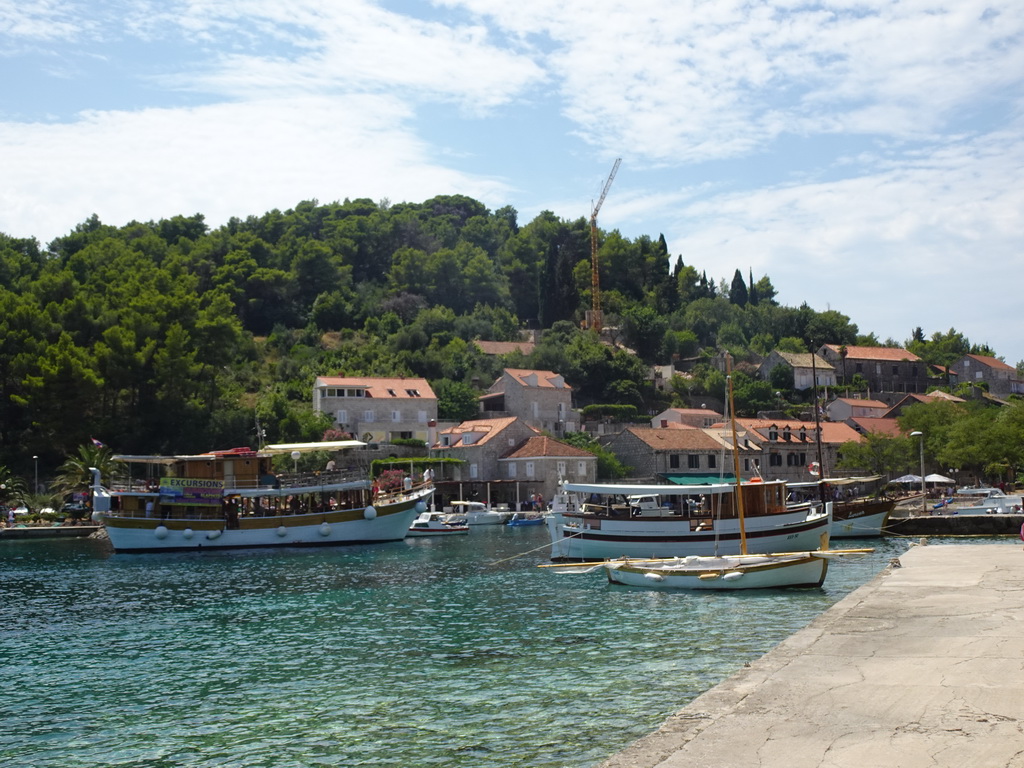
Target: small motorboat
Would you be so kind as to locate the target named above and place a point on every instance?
(436, 524)
(520, 519)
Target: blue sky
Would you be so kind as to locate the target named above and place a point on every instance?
(867, 156)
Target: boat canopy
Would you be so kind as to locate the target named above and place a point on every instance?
(626, 489)
(837, 481)
(326, 445)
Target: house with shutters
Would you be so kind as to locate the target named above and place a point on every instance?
(885, 369)
(789, 447)
(542, 399)
(686, 454)
(808, 369)
(505, 460)
(377, 410)
(1002, 379)
(541, 462)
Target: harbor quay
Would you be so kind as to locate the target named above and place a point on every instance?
(921, 667)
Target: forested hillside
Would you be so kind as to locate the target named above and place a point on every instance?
(170, 336)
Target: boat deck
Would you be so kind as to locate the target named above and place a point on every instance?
(921, 666)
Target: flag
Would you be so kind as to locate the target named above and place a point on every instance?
(97, 443)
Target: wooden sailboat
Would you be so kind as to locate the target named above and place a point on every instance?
(729, 572)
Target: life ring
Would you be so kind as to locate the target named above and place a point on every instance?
(814, 468)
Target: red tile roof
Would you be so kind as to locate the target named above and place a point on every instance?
(891, 354)
(676, 439)
(545, 379)
(544, 446)
(488, 428)
(831, 431)
(879, 426)
(992, 362)
(398, 387)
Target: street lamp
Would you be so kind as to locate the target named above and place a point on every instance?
(36, 488)
(295, 461)
(924, 497)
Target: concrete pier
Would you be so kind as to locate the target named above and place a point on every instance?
(923, 667)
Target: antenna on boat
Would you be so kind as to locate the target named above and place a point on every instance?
(736, 456)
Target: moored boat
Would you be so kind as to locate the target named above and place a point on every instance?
(232, 499)
(478, 513)
(436, 524)
(681, 524)
(521, 519)
(854, 515)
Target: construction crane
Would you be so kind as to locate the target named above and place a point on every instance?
(594, 320)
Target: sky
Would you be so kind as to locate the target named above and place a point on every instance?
(866, 156)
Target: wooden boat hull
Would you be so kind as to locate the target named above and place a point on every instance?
(860, 519)
(379, 523)
(725, 573)
(584, 537)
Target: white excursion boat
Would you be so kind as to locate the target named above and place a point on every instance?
(436, 524)
(478, 513)
(231, 499)
(581, 530)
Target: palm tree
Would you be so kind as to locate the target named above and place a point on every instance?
(12, 488)
(75, 475)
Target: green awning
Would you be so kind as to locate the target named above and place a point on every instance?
(680, 479)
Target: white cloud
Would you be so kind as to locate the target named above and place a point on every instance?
(222, 161)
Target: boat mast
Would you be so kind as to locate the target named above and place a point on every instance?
(736, 456)
(817, 428)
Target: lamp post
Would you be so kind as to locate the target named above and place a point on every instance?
(35, 488)
(295, 461)
(924, 497)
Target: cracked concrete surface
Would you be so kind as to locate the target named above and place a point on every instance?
(923, 667)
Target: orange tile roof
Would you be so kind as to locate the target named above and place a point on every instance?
(676, 439)
(488, 427)
(831, 431)
(380, 387)
(893, 354)
(542, 446)
(879, 426)
(992, 362)
(544, 378)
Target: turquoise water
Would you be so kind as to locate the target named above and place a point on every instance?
(418, 653)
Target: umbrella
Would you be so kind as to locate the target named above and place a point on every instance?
(908, 479)
(938, 479)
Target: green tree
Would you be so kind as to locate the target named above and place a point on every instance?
(456, 401)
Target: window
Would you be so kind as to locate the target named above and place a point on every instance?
(712, 461)
(895, 370)
(581, 468)
(693, 461)
(859, 368)
(421, 417)
(511, 470)
(774, 459)
(392, 393)
(773, 432)
(529, 469)
(673, 461)
(396, 416)
(412, 392)
(474, 471)
(561, 469)
(369, 416)
(342, 417)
